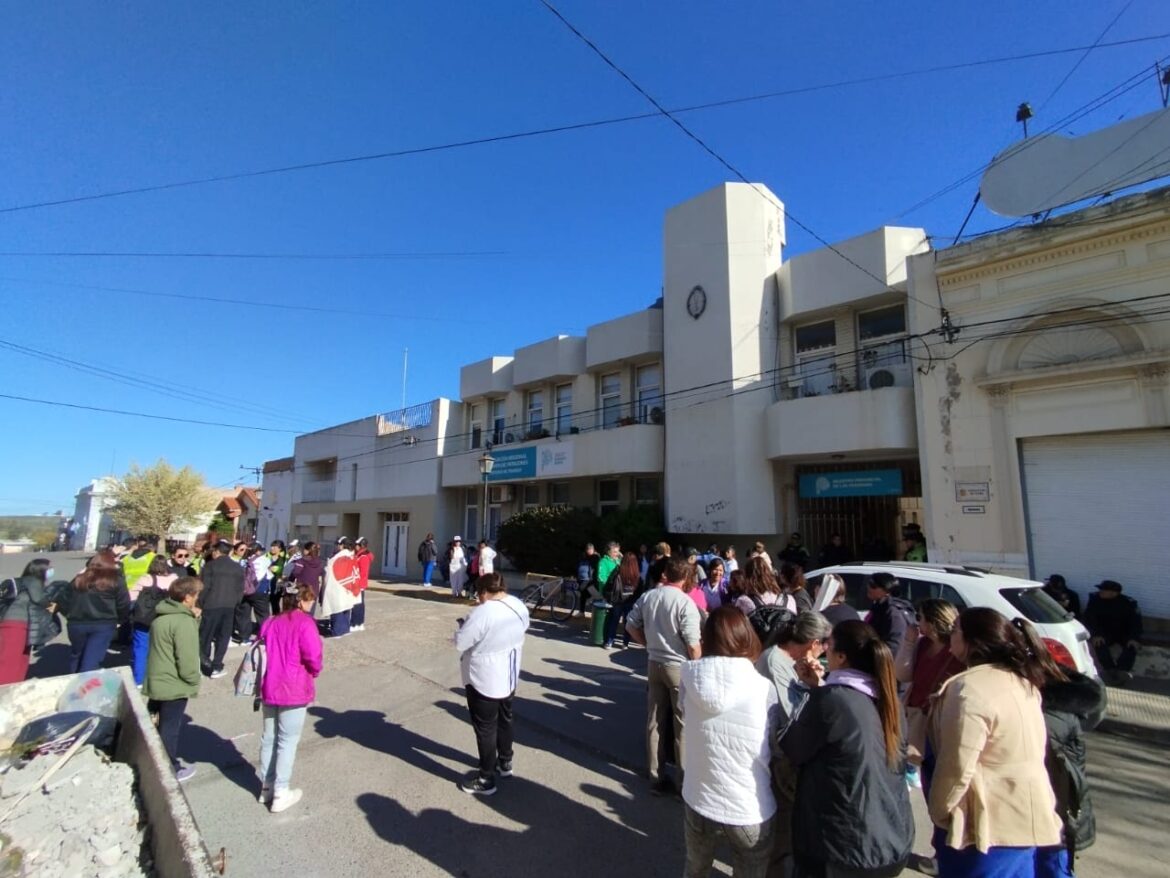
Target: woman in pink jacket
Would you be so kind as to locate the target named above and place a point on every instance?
(292, 662)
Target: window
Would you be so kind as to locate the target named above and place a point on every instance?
(610, 399)
(648, 387)
(564, 405)
(883, 352)
(531, 496)
(558, 493)
(471, 517)
(646, 492)
(608, 496)
(475, 425)
(535, 411)
(496, 411)
(816, 363)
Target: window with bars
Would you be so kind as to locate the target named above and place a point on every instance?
(558, 493)
(647, 492)
(530, 496)
(608, 496)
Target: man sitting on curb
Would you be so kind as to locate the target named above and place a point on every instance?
(1114, 620)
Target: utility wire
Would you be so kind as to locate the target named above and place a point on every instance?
(568, 127)
(454, 254)
(1086, 54)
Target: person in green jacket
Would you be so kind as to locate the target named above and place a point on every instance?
(172, 665)
(610, 561)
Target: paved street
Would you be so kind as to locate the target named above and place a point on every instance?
(389, 738)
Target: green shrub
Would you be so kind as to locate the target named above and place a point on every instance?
(547, 539)
(633, 526)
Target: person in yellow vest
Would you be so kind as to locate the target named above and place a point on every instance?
(136, 563)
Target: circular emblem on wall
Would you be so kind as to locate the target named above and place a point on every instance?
(697, 302)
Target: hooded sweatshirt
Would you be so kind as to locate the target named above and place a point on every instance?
(172, 661)
(293, 659)
(728, 709)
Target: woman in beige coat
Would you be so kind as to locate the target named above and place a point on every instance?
(990, 798)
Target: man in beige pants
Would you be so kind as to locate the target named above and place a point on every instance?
(667, 623)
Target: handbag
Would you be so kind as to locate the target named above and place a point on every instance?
(250, 674)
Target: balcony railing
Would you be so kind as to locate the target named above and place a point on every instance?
(319, 492)
(882, 365)
(624, 415)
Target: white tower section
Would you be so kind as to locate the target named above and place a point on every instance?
(721, 253)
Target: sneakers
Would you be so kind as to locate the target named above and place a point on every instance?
(913, 778)
(184, 772)
(265, 797)
(215, 675)
(608, 644)
(284, 801)
(358, 628)
(478, 786)
(504, 768)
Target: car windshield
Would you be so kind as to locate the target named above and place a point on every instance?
(1035, 605)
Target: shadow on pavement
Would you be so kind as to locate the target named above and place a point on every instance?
(436, 593)
(201, 745)
(371, 729)
(560, 835)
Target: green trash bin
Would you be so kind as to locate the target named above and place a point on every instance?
(600, 614)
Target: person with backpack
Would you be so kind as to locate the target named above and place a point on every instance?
(292, 662)
(256, 601)
(96, 603)
(758, 596)
(173, 665)
(889, 616)
(428, 554)
(619, 592)
(145, 594)
(20, 621)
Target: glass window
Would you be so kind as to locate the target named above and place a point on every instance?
(564, 403)
(611, 399)
(531, 496)
(881, 322)
(648, 385)
(558, 493)
(608, 496)
(1036, 605)
(646, 491)
(816, 336)
(496, 412)
(535, 411)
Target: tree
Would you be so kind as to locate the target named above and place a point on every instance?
(44, 538)
(547, 539)
(154, 500)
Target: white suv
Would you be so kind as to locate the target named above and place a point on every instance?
(1066, 638)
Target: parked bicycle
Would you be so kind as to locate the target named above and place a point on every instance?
(561, 596)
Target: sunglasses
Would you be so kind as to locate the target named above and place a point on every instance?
(181, 556)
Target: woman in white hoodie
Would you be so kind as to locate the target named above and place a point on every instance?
(730, 710)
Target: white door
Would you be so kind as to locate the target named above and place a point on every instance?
(394, 542)
(1098, 507)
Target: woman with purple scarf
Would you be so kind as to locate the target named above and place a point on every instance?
(852, 810)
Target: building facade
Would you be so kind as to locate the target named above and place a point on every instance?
(1043, 426)
(92, 525)
(276, 500)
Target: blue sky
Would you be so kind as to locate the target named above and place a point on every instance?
(552, 233)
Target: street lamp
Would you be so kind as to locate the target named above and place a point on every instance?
(486, 462)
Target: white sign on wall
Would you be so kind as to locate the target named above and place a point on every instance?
(554, 459)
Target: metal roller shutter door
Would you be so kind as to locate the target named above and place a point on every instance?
(1098, 507)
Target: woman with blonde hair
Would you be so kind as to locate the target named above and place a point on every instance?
(990, 797)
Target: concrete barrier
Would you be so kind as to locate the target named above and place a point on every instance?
(175, 842)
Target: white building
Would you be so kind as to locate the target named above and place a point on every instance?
(276, 493)
(1044, 426)
(92, 525)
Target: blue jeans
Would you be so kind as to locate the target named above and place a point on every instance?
(357, 615)
(428, 572)
(339, 623)
(88, 642)
(618, 615)
(970, 862)
(139, 647)
(278, 745)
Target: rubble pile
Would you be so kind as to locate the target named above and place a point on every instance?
(86, 822)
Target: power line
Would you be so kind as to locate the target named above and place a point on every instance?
(705, 146)
(177, 420)
(1086, 54)
(568, 127)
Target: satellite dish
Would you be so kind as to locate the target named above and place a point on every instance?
(1051, 170)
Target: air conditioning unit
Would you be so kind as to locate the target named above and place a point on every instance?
(657, 415)
(509, 438)
(501, 493)
(892, 375)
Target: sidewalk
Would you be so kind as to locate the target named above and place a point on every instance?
(1141, 709)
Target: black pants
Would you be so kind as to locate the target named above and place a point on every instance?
(492, 720)
(215, 631)
(1124, 662)
(171, 716)
(357, 615)
(250, 603)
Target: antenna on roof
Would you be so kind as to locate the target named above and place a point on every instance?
(405, 352)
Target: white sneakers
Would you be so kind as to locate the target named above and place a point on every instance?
(284, 801)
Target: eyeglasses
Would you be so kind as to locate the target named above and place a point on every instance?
(181, 556)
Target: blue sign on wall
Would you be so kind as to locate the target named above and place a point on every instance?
(861, 483)
(513, 463)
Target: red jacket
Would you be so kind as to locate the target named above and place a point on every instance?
(364, 558)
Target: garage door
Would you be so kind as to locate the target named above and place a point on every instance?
(1098, 507)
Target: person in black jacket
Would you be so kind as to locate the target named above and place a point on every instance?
(852, 809)
(888, 615)
(1057, 589)
(1068, 700)
(1114, 620)
(96, 603)
(223, 589)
